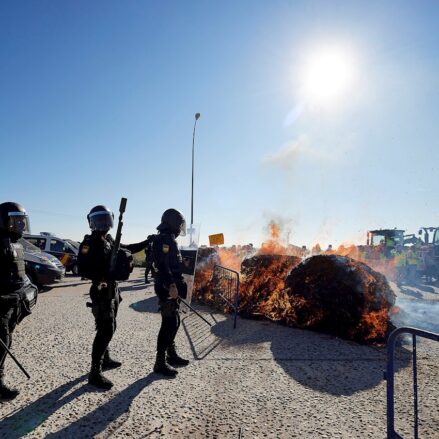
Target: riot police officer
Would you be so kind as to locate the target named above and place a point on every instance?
(94, 263)
(13, 223)
(169, 285)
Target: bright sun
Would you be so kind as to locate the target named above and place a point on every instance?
(327, 75)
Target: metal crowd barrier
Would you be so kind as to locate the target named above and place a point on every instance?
(389, 375)
(225, 283)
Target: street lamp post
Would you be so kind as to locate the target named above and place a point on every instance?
(197, 116)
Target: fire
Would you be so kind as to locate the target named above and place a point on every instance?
(373, 258)
(334, 292)
(263, 283)
(231, 259)
(274, 230)
(376, 324)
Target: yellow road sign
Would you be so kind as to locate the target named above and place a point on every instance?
(217, 239)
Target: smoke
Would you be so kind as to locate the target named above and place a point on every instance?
(287, 156)
(279, 228)
(420, 313)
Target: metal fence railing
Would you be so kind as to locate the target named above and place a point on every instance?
(390, 372)
(225, 283)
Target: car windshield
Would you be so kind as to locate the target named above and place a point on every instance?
(74, 244)
(28, 246)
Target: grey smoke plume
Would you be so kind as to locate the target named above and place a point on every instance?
(419, 313)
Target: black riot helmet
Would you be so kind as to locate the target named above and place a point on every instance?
(100, 219)
(13, 220)
(173, 220)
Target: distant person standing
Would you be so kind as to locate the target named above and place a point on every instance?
(94, 264)
(169, 285)
(13, 223)
(149, 266)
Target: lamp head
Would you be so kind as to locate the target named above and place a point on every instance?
(197, 116)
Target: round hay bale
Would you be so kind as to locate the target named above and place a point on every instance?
(342, 296)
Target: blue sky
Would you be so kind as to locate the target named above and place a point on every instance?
(98, 101)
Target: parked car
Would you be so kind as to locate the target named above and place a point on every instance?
(31, 292)
(41, 268)
(64, 249)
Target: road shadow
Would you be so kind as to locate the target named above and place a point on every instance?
(135, 285)
(102, 417)
(149, 304)
(30, 417)
(136, 280)
(202, 340)
(317, 361)
(133, 288)
(69, 285)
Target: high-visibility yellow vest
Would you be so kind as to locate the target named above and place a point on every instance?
(400, 260)
(412, 258)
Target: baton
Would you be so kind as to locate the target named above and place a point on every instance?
(12, 356)
(196, 312)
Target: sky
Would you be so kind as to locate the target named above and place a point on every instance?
(97, 101)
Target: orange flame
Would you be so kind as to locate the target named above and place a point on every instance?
(231, 259)
(263, 291)
(274, 230)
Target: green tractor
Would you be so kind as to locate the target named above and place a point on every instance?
(383, 244)
(429, 250)
(387, 251)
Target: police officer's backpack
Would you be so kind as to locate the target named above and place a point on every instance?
(89, 264)
(124, 265)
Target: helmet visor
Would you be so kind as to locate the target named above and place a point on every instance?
(18, 222)
(183, 228)
(101, 221)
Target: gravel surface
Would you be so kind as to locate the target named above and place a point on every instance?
(264, 379)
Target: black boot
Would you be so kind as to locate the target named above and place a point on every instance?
(6, 393)
(162, 367)
(174, 359)
(109, 363)
(95, 378)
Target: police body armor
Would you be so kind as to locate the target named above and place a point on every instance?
(95, 265)
(12, 267)
(165, 251)
(13, 285)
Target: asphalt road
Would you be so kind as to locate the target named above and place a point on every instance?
(262, 379)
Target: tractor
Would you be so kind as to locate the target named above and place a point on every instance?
(429, 251)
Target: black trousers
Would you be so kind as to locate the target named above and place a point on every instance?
(148, 269)
(8, 321)
(170, 324)
(105, 312)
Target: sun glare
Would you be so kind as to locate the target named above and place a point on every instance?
(327, 75)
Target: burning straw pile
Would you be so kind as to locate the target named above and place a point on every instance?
(329, 293)
(263, 284)
(339, 295)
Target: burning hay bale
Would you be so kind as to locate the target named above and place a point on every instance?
(262, 285)
(330, 293)
(206, 260)
(339, 295)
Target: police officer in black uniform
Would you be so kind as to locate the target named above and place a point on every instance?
(94, 263)
(13, 223)
(149, 268)
(169, 285)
